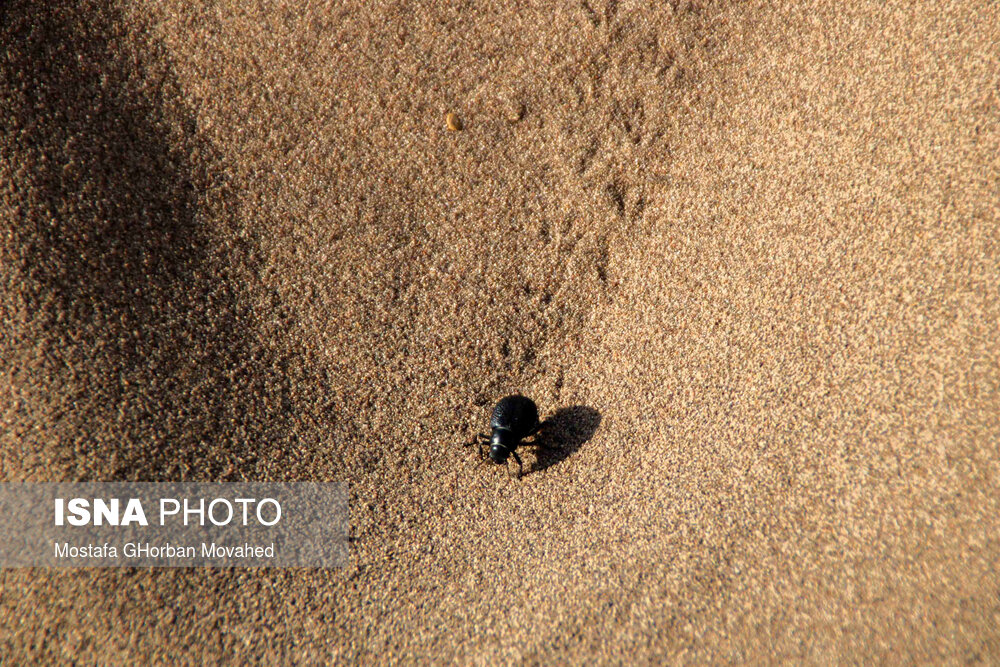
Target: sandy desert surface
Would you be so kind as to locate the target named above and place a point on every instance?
(745, 255)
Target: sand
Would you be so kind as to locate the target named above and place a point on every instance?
(745, 254)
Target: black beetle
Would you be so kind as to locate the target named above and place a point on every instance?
(514, 419)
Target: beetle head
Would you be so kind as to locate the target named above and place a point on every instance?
(502, 443)
(499, 453)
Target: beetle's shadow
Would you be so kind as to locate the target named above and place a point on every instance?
(564, 433)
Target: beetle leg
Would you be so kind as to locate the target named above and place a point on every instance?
(541, 444)
(520, 466)
(538, 442)
(477, 441)
(538, 427)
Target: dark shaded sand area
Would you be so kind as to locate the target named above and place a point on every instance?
(747, 253)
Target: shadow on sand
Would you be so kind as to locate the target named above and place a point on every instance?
(119, 265)
(565, 432)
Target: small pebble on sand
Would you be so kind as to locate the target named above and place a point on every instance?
(453, 121)
(515, 111)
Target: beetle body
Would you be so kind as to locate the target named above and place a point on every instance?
(514, 418)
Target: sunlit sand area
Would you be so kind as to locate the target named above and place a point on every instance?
(744, 256)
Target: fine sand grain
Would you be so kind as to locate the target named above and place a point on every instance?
(746, 254)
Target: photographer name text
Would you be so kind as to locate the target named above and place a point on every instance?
(65, 550)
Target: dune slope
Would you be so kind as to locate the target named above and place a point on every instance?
(744, 255)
